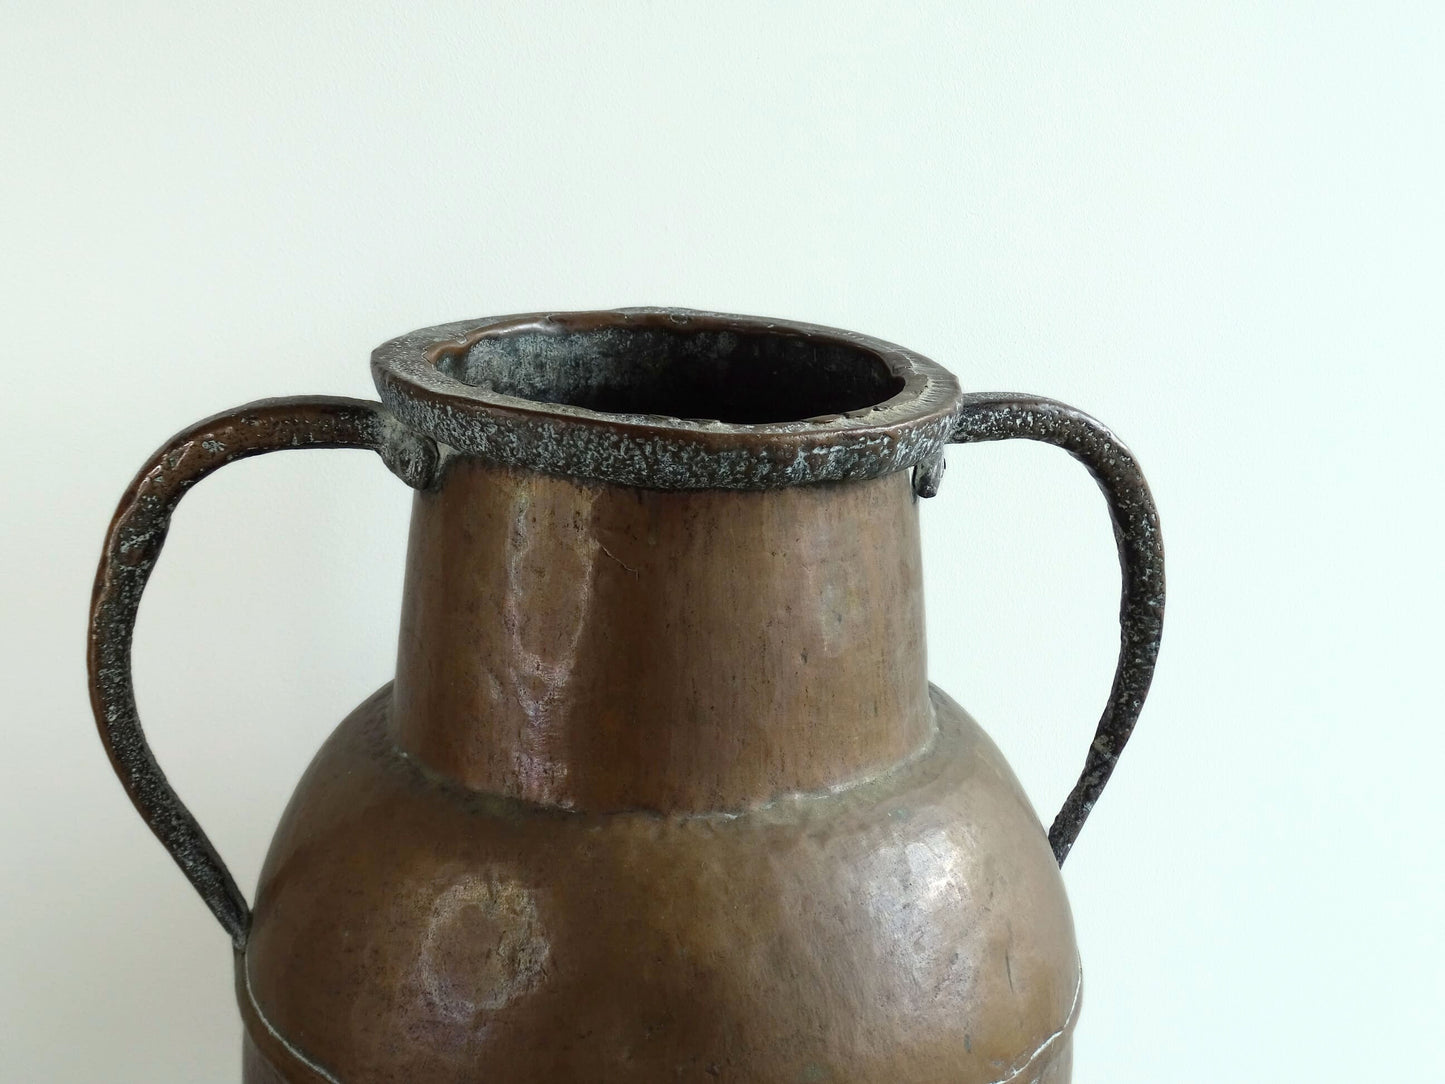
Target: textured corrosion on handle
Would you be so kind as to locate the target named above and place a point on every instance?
(1141, 561)
(132, 546)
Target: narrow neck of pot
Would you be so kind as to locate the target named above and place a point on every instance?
(601, 647)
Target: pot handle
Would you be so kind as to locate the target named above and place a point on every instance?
(132, 546)
(1141, 561)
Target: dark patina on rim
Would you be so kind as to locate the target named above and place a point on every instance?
(416, 376)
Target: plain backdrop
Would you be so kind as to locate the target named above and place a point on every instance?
(1216, 226)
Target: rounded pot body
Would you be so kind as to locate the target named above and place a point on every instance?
(909, 929)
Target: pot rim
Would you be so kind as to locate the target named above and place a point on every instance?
(658, 451)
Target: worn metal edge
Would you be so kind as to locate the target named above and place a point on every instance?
(659, 452)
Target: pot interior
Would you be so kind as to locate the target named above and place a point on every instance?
(741, 377)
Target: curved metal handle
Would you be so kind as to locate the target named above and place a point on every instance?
(134, 543)
(1141, 560)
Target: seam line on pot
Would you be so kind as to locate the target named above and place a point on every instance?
(836, 790)
(1043, 1048)
(315, 1066)
(840, 789)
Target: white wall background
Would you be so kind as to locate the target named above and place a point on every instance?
(1217, 226)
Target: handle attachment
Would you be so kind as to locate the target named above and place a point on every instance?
(132, 547)
(1141, 561)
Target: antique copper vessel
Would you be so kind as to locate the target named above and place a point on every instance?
(660, 790)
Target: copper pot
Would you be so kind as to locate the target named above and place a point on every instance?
(660, 790)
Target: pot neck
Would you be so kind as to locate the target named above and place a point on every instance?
(602, 647)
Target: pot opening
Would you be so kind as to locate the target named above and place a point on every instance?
(739, 376)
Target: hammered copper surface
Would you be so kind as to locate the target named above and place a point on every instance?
(588, 779)
(601, 647)
(909, 929)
